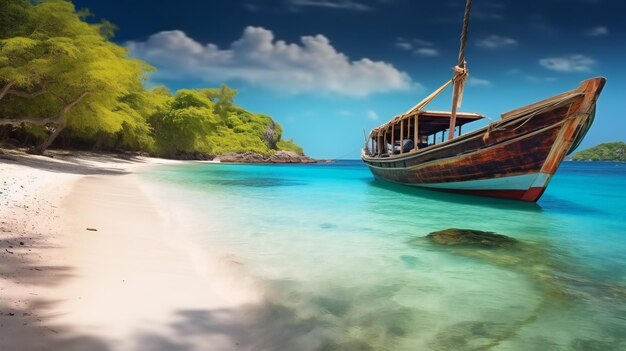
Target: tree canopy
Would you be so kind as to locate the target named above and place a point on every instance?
(57, 71)
(615, 151)
(61, 76)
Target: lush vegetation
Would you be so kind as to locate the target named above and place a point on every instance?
(604, 152)
(64, 82)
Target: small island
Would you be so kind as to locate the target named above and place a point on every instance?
(612, 152)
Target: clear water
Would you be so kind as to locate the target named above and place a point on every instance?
(346, 267)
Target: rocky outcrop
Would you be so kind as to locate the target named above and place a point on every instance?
(252, 157)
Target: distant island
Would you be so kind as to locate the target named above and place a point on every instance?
(615, 152)
(65, 84)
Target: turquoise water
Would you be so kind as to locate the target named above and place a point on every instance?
(346, 267)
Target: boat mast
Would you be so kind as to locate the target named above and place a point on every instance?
(460, 72)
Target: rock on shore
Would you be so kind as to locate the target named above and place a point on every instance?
(252, 157)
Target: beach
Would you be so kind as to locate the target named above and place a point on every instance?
(105, 253)
(90, 261)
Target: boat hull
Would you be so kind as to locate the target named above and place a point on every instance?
(514, 158)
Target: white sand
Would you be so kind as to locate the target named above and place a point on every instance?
(125, 285)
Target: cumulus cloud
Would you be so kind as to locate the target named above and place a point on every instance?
(418, 47)
(496, 42)
(371, 114)
(597, 31)
(568, 63)
(311, 66)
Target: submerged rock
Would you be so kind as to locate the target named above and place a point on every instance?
(550, 269)
(471, 237)
(546, 266)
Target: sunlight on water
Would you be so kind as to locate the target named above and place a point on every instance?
(346, 266)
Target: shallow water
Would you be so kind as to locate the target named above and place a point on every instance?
(336, 251)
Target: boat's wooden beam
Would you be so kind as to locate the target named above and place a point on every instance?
(415, 138)
(384, 146)
(393, 139)
(560, 99)
(401, 135)
(408, 128)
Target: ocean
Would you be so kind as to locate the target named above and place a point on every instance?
(345, 264)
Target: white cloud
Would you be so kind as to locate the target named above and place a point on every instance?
(404, 45)
(597, 31)
(345, 113)
(426, 52)
(477, 82)
(541, 80)
(418, 47)
(332, 4)
(496, 42)
(568, 63)
(371, 114)
(311, 66)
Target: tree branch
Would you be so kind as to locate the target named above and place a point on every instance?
(27, 95)
(72, 104)
(16, 121)
(58, 119)
(6, 89)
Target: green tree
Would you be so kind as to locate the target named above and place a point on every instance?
(222, 97)
(615, 151)
(183, 123)
(56, 70)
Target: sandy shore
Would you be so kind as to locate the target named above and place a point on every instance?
(90, 261)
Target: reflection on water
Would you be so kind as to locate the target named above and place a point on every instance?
(345, 265)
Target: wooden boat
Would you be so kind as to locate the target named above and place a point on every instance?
(513, 158)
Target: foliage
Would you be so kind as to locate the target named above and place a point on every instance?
(51, 51)
(62, 76)
(183, 123)
(208, 121)
(290, 145)
(615, 151)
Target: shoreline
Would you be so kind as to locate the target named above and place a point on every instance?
(91, 261)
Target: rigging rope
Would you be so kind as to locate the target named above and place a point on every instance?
(468, 8)
(460, 73)
(458, 80)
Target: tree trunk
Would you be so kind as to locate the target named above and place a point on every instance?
(5, 89)
(38, 150)
(59, 122)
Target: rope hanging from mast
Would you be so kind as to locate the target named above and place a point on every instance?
(460, 72)
(458, 81)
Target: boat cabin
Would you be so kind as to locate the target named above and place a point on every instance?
(414, 131)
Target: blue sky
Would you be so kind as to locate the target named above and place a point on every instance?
(329, 69)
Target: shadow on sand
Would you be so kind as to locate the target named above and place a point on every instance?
(25, 324)
(83, 163)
